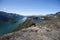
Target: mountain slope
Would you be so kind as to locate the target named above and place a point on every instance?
(9, 17)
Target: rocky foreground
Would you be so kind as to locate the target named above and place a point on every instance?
(48, 31)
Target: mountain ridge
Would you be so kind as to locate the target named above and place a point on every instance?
(9, 17)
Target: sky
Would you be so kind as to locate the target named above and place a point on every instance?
(30, 7)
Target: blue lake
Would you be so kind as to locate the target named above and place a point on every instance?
(8, 28)
(38, 20)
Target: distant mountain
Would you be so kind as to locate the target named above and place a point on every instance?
(9, 17)
(56, 14)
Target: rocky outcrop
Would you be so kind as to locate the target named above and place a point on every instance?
(28, 23)
(33, 33)
(46, 30)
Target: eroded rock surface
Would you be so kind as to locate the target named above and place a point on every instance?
(33, 33)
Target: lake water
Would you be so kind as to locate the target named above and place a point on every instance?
(8, 28)
(38, 20)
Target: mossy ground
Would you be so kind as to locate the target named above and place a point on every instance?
(26, 24)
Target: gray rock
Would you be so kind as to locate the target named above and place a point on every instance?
(31, 34)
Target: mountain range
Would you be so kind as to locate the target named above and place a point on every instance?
(9, 17)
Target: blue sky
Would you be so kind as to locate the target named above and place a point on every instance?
(30, 7)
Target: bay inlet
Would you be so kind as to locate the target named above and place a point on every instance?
(8, 28)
